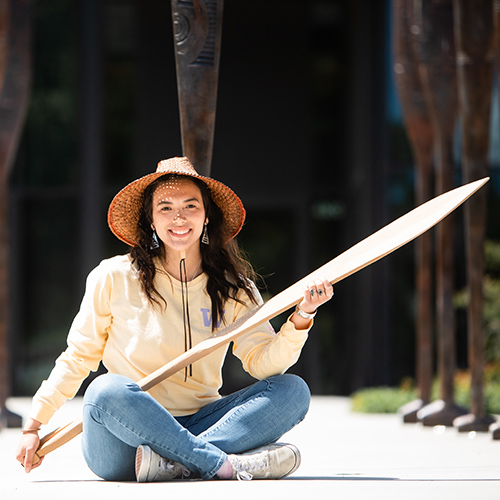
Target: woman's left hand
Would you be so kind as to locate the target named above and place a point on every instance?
(315, 294)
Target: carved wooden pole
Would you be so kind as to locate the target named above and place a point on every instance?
(495, 428)
(15, 59)
(197, 33)
(4, 307)
(420, 133)
(475, 60)
(4, 34)
(436, 54)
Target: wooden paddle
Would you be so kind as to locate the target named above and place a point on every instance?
(368, 251)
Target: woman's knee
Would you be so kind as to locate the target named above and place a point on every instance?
(108, 386)
(294, 385)
(295, 390)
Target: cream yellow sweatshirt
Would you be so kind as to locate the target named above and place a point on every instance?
(116, 324)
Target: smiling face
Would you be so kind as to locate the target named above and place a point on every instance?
(178, 215)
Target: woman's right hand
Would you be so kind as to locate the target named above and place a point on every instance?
(29, 443)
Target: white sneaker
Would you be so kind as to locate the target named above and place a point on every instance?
(149, 467)
(274, 461)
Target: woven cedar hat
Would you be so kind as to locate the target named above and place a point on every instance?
(123, 213)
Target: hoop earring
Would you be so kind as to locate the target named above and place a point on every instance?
(204, 237)
(154, 241)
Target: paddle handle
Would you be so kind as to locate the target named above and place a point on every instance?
(63, 434)
(57, 438)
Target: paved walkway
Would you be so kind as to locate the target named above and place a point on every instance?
(344, 456)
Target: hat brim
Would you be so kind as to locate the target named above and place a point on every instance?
(125, 208)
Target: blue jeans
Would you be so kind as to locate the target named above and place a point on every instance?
(118, 417)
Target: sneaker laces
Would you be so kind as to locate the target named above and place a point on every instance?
(247, 467)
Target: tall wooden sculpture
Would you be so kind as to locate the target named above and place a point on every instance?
(420, 133)
(197, 32)
(436, 50)
(475, 62)
(15, 72)
(435, 27)
(431, 41)
(495, 428)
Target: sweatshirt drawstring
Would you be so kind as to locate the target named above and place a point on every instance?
(188, 340)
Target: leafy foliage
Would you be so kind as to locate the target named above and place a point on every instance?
(390, 399)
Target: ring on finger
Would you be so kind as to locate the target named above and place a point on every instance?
(320, 292)
(312, 291)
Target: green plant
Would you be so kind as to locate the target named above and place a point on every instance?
(491, 305)
(381, 399)
(390, 399)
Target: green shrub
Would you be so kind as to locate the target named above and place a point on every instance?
(390, 399)
(491, 309)
(381, 399)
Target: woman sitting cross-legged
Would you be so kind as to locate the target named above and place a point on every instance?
(182, 281)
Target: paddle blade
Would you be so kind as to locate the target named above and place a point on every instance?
(398, 233)
(378, 245)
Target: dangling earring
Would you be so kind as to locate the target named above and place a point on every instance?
(204, 236)
(154, 241)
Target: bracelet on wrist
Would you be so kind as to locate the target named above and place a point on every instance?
(30, 431)
(303, 314)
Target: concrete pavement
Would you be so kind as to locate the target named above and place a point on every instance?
(344, 455)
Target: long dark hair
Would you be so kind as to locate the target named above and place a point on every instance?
(224, 263)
